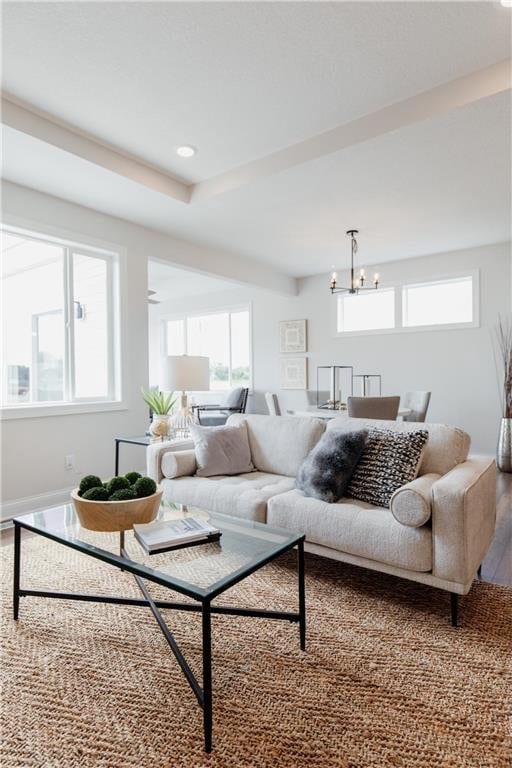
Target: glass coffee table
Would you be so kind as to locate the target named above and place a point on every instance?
(203, 573)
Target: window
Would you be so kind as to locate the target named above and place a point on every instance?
(438, 303)
(58, 332)
(224, 337)
(366, 311)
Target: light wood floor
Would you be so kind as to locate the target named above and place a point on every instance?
(497, 566)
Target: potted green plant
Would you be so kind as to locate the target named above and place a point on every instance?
(161, 405)
(504, 344)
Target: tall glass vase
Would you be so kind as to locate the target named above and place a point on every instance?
(504, 457)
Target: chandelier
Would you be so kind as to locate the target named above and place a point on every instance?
(356, 285)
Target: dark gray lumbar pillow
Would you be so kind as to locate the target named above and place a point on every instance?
(325, 473)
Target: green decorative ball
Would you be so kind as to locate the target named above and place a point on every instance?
(96, 494)
(123, 494)
(89, 481)
(116, 484)
(144, 486)
(132, 477)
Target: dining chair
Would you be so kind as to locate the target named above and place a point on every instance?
(273, 406)
(417, 403)
(373, 407)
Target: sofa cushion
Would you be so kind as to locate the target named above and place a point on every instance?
(178, 463)
(279, 444)
(412, 503)
(326, 472)
(446, 446)
(389, 460)
(353, 527)
(221, 450)
(243, 496)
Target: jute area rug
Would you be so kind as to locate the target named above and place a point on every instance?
(385, 680)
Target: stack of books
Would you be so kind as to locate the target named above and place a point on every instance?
(164, 535)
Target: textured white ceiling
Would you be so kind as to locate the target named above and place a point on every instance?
(237, 80)
(240, 80)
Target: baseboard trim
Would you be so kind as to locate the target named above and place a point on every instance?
(11, 509)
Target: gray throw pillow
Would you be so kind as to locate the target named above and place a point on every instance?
(325, 473)
(222, 450)
(390, 460)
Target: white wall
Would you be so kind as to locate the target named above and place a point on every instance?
(33, 449)
(456, 365)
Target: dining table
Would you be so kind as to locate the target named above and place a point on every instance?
(333, 413)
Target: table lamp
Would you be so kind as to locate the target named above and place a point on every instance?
(185, 373)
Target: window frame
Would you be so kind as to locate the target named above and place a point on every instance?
(399, 286)
(339, 301)
(440, 281)
(115, 259)
(231, 309)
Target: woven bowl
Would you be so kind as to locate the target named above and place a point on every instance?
(116, 515)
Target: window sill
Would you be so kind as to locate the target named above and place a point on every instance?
(40, 411)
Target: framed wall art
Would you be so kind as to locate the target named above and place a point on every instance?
(292, 336)
(294, 373)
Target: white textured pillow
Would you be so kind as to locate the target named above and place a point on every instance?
(411, 504)
(179, 463)
(222, 450)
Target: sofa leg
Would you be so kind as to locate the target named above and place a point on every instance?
(454, 606)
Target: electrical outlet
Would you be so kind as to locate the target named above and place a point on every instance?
(69, 461)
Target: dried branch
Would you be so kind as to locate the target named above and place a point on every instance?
(503, 335)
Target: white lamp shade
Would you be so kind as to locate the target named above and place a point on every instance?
(186, 373)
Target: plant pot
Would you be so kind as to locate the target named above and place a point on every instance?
(160, 425)
(116, 515)
(504, 454)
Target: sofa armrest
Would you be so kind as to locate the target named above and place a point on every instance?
(155, 452)
(411, 504)
(463, 519)
(178, 463)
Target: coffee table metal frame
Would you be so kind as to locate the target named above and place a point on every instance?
(203, 605)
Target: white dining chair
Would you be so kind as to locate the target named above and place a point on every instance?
(272, 404)
(417, 403)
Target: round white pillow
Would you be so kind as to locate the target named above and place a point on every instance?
(411, 504)
(179, 463)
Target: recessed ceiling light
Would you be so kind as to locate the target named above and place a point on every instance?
(506, 3)
(186, 151)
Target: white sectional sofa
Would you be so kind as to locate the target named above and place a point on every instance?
(437, 531)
